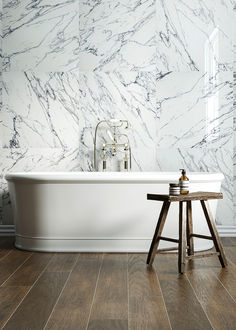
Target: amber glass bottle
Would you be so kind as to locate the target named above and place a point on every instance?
(184, 183)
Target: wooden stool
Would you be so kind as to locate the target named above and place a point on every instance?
(186, 227)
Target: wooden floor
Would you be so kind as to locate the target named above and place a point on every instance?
(114, 291)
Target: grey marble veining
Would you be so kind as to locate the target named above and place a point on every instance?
(196, 110)
(40, 110)
(1, 35)
(117, 35)
(234, 149)
(193, 33)
(40, 35)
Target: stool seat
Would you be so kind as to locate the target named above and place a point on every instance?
(195, 196)
(185, 241)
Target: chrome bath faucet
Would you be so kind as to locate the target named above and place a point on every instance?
(113, 131)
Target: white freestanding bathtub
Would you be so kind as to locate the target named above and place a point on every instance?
(89, 211)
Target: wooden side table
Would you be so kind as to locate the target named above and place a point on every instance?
(185, 241)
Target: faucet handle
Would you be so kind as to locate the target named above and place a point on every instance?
(126, 148)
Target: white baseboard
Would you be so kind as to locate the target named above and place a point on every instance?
(7, 230)
(227, 231)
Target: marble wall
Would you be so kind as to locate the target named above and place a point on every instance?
(166, 66)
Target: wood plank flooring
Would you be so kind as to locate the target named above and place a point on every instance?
(115, 291)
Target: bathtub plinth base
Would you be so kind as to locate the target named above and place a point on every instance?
(138, 245)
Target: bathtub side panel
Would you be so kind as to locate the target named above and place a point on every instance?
(97, 217)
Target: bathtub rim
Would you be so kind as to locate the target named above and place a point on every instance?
(110, 177)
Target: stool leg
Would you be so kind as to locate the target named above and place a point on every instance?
(190, 229)
(158, 231)
(214, 233)
(182, 237)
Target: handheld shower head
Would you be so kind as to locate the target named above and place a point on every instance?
(111, 136)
